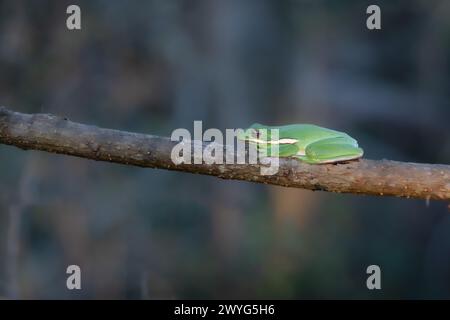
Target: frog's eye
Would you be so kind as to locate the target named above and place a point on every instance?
(254, 133)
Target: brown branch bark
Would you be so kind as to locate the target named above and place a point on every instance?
(385, 178)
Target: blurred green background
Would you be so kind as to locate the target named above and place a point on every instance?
(154, 66)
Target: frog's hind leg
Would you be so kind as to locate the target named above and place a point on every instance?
(333, 150)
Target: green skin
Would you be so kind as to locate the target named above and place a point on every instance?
(309, 143)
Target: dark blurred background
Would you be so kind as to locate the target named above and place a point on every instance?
(153, 66)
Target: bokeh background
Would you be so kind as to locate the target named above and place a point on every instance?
(154, 66)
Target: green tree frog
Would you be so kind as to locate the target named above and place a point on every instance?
(309, 143)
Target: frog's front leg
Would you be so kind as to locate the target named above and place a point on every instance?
(284, 150)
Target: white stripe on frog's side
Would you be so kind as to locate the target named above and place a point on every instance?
(281, 141)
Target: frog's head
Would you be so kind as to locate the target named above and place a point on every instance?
(255, 133)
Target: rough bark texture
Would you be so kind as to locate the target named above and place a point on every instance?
(384, 178)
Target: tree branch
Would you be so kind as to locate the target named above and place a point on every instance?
(385, 178)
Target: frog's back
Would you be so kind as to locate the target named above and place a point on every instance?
(313, 132)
